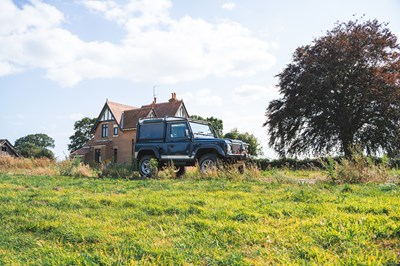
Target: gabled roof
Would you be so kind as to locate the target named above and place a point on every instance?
(165, 109)
(6, 142)
(127, 116)
(118, 109)
(131, 117)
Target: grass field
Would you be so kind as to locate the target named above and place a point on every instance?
(82, 221)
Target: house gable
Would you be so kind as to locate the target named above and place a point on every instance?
(112, 111)
(6, 148)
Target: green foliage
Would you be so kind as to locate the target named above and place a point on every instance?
(330, 168)
(216, 123)
(81, 221)
(35, 145)
(116, 170)
(254, 145)
(340, 90)
(74, 167)
(83, 133)
(357, 169)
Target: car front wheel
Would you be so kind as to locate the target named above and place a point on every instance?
(208, 163)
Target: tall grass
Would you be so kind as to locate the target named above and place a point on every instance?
(44, 167)
(357, 169)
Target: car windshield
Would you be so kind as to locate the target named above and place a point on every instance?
(201, 130)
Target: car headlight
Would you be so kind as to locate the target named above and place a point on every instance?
(228, 148)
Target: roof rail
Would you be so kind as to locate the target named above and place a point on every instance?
(159, 119)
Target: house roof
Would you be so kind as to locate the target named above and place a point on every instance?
(165, 109)
(6, 142)
(127, 116)
(131, 117)
(118, 109)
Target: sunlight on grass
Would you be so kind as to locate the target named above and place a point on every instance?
(80, 221)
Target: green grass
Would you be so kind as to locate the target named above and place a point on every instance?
(80, 221)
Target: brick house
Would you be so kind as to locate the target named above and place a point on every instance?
(7, 149)
(115, 129)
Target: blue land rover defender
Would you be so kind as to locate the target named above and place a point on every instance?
(183, 142)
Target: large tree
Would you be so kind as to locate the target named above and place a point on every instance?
(341, 90)
(83, 133)
(35, 145)
(254, 145)
(216, 123)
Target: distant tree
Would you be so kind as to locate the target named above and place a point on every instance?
(82, 133)
(340, 91)
(35, 145)
(216, 123)
(254, 145)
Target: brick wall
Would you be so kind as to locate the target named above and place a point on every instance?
(121, 142)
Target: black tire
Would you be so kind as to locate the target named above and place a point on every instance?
(145, 167)
(208, 163)
(180, 171)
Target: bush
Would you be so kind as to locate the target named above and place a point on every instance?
(115, 170)
(357, 169)
(74, 167)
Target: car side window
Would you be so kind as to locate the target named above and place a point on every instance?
(151, 131)
(178, 130)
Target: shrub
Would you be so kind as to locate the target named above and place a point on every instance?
(74, 167)
(357, 169)
(116, 170)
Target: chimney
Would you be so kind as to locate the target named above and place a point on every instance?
(173, 97)
(154, 100)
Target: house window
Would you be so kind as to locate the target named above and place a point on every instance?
(4, 149)
(115, 157)
(97, 155)
(104, 131)
(115, 130)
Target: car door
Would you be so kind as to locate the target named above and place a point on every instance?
(178, 141)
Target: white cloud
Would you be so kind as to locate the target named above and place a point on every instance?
(229, 5)
(202, 98)
(30, 17)
(247, 94)
(155, 48)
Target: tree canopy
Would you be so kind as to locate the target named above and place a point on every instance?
(254, 145)
(82, 133)
(216, 123)
(341, 90)
(35, 145)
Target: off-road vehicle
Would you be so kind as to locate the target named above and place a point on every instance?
(182, 142)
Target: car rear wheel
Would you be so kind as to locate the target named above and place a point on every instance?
(147, 167)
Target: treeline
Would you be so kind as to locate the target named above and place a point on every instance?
(309, 164)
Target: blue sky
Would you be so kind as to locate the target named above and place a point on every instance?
(61, 60)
